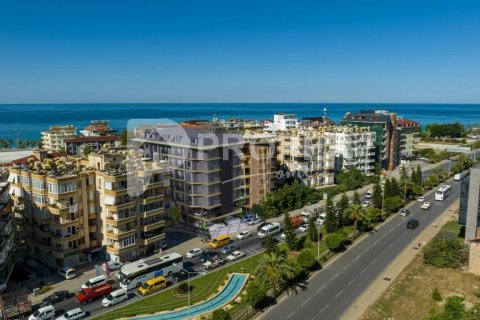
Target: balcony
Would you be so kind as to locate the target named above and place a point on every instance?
(43, 247)
(62, 252)
(153, 239)
(59, 208)
(154, 225)
(115, 249)
(152, 198)
(64, 223)
(92, 228)
(63, 238)
(116, 233)
(116, 220)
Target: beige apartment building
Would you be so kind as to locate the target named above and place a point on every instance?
(52, 139)
(72, 208)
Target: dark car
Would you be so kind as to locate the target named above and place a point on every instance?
(412, 224)
(261, 225)
(56, 297)
(206, 255)
(229, 249)
(182, 275)
(265, 241)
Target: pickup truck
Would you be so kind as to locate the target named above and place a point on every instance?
(297, 221)
(16, 305)
(214, 262)
(87, 295)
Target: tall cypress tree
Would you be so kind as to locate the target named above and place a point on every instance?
(395, 188)
(312, 230)
(377, 196)
(342, 206)
(356, 198)
(331, 219)
(419, 175)
(388, 188)
(290, 236)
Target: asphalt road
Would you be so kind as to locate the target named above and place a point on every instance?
(335, 288)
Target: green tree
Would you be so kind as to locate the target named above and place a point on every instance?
(391, 204)
(374, 214)
(358, 214)
(273, 269)
(124, 137)
(356, 198)
(387, 189)
(336, 240)
(352, 179)
(306, 260)
(175, 213)
(220, 314)
(289, 230)
(395, 188)
(342, 205)
(270, 245)
(444, 253)
(377, 196)
(87, 150)
(255, 294)
(257, 210)
(331, 219)
(312, 231)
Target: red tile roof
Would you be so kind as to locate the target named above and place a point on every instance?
(52, 155)
(92, 139)
(407, 123)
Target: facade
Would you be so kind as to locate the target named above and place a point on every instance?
(131, 205)
(52, 139)
(282, 122)
(98, 128)
(408, 135)
(469, 213)
(259, 167)
(55, 200)
(384, 124)
(76, 146)
(205, 169)
(354, 148)
(7, 262)
(309, 155)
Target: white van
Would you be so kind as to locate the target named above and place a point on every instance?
(67, 273)
(458, 176)
(115, 297)
(306, 215)
(269, 230)
(44, 313)
(321, 219)
(369, 194)
(94, 282)
(73, 314)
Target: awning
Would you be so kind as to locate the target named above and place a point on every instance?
(109, 200)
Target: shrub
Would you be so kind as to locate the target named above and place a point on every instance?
(220, 314)
(436, 295)
(255, 295)
(336, 240)
(306, 260)
(444, 253)
(392, 204)
(183, 287)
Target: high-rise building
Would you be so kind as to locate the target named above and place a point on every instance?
(76, 146)
(408, 135)
(6, 235)
(282, 122)
(469, 213)
(52, 139)
(205, 169)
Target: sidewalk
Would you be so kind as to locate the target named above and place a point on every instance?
(396, 267)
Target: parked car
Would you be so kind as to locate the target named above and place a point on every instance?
(303, 228)
(412, 224)
(112, 265)
(94, 282)
(235, 255)
(73, 314)
(253, 221)
(213, 262)
(283, 236)
(182, 275)
(404, 212)
(115, 297)
(43, 313)
(261, 225)
(196, 252)
(87, 295)
(206, 255)
(366, 203)
(243, 235)
(421, 199)
(67, 273)
(247, 217)
(56, 297)
(425, 205)
(229, 249)
(321, 219)
(369, 194)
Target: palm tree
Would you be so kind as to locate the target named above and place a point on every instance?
(273, 269)
(358, 214)
(175, 214)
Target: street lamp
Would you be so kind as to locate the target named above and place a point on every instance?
(188, 284)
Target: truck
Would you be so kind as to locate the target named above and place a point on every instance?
(16, 304)
(297, 221)
(214, 262)
(459, 176)
(90, 294)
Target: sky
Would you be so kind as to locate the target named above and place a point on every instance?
(239, 51)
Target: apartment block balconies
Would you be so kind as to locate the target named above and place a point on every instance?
(153, 225)
(116, 234)
(58, 238)
(64, 222)
(117, 250)
(61, 252)
(153, 239)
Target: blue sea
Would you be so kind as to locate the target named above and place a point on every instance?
(27, 121)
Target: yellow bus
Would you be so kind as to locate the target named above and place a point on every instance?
(220, 241)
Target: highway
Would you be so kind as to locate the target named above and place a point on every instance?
(335, 288)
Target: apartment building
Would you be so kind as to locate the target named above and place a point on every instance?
(308, 155)
(383, 123)
(98, 128)
(282, 122)
(7, 262)
(205, 169)
(55, 200)
(259, 166)
(408, 135)
(76, 146)
(52, 139)
(354, 148)
(132, 201)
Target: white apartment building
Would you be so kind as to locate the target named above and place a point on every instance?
(308, 155)
(52, 139)
(282, 122)
(354, 148)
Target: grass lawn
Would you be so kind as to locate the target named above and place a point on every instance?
(453, 227)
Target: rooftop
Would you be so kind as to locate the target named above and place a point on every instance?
(92, 139)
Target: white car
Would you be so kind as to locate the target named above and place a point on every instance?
(244, 235)
(194, 253)
(115, 297)
(235, 255)
(112, 265)
(303, 227)
(425, 205)
(73, 314)
(421, 199)
(366, 203)
(253, 221)
(67, 273)
(283, 236)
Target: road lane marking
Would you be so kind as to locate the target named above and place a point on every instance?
(336, 275)
(339, 293)
(366, 250)
(320, 289)
(390, 245)
(345, 268)
(306, 301)
(323, 309)
(356, 258)
(291, 314)
(373, 261)
(376, 242)
(363, 270)
(351, 282)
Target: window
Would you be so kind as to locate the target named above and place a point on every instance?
(127, 241)
(25, 180)
(38, 198)
(38, 184)
(62, 187)
(108, 185)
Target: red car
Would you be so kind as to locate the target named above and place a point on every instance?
(87, 295)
